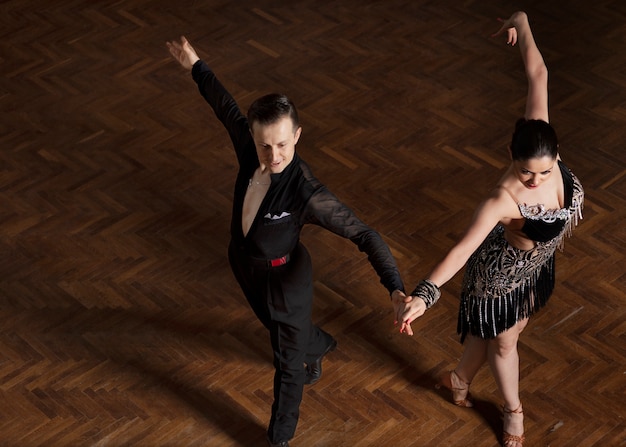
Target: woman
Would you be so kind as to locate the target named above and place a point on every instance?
(509, 247)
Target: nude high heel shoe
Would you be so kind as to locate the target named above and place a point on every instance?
(460, 395)
(509, 440)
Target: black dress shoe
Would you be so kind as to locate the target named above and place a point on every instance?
(314, 370)
(277, 444)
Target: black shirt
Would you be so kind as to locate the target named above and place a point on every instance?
(294, 198)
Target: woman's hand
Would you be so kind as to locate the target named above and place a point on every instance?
(183, 52)
(413, 309)
(510, 26)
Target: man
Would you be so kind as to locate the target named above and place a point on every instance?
(275, 195)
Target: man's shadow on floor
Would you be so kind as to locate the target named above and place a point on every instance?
(117, 334)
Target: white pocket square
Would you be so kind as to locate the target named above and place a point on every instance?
(276, 216)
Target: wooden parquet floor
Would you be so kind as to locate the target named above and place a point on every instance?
(120, 322)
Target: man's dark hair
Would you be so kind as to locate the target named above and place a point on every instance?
(533, 139)
(270, 108)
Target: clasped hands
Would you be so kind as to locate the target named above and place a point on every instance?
(406, 309)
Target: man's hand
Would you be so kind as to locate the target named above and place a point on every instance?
(398, 300)
(183, 52)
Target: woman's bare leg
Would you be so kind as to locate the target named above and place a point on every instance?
(474, 356)
(504, 362)
(458, 380)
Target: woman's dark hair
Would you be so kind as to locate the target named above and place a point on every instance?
(270, 108)
(533, 139)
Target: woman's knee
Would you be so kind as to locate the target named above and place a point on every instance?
(505, 343)
(520, 325)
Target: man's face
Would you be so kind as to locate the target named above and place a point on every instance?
(275, 143)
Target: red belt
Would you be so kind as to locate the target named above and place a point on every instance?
(278, 261)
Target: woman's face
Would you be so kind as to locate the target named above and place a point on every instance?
(533, 172)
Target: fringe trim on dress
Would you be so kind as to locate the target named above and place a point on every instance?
(503, 284)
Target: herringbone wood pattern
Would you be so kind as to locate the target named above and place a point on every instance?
(120, 322)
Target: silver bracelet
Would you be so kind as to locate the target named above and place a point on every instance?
(428, 291)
